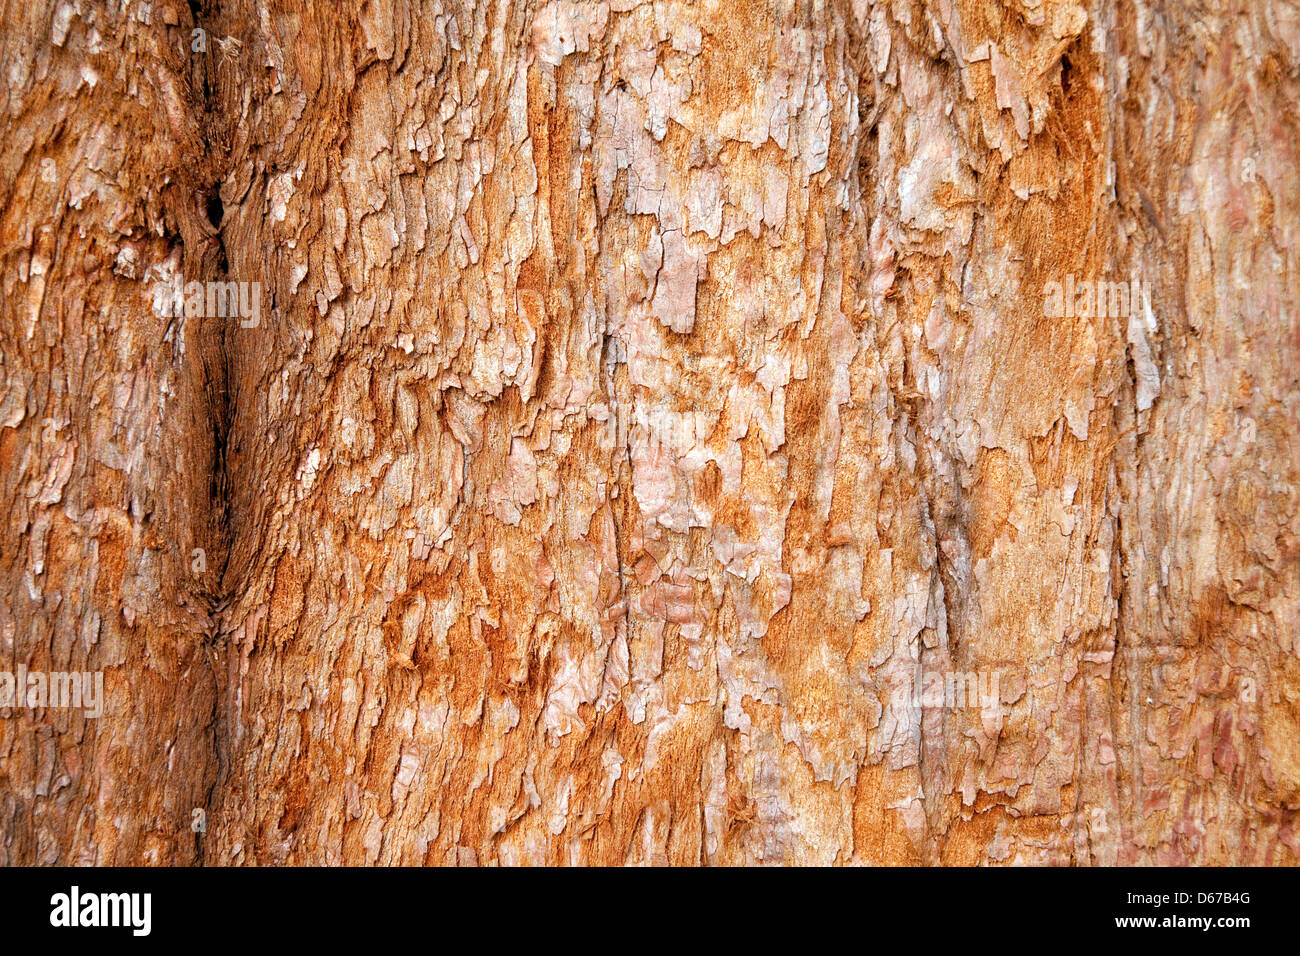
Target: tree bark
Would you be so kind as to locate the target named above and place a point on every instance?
(654, 442)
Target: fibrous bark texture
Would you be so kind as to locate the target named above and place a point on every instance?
(652, 440)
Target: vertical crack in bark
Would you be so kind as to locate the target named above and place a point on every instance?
(214, 159)
(622, 441)
(1117, 686)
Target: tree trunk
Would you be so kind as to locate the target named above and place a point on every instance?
(693, 433)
